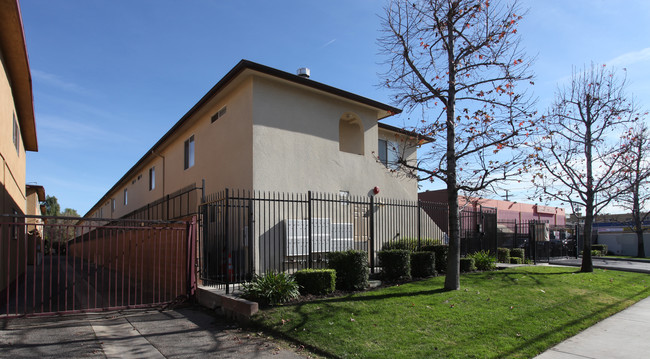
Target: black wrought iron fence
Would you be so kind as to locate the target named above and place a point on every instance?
(245, 233)
(180, 204)
(540, 240)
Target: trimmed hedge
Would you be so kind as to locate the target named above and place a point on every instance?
(484, 261)
(351, 269)
(602, 248)
(395, 263)
(423, 264)
(518, 253)
(467, 265)
(503, 255)
(316, 281)
(410, 244)
(440, 251)
(516, 260)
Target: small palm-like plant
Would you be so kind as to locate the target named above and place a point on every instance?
(271, 288)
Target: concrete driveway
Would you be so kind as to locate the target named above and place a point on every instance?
(182, 333)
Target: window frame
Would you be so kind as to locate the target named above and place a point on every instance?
(189, 153)
(16, 134)
(152, 178)
(126, 197)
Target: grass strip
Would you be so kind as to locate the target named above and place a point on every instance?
(513, 313)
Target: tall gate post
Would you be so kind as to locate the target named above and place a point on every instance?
(371, 250)
(226, 240)
(191, 256)
(309, 227)
(419, 224)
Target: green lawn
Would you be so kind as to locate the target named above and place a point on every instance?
(513, 313)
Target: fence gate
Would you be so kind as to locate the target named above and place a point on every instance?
(51, 265)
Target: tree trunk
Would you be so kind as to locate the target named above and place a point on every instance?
(638, 224)
(587, 264)
(452, 278)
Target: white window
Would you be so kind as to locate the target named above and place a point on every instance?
(16, 135)
(189, 152)
(126, 196)
(113, 205)
(389, 153)
(152, 178)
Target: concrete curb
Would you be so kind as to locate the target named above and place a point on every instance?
(230, 306)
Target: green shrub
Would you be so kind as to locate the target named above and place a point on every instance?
(515, 260)
(517, 253)
(271, 288)
(503, 255)
(484, 261)
(316, 281)
(441, 257)
(596, 253)
(467, 265)
(602, 248)
(351, 269)
(423, 264)
(395, 263)
(410, 244)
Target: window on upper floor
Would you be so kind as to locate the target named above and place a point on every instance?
(388, 153)
(126, 196)
(218, 115)
(112, 205)
(152, 178)
(189, 152)
(16, 135)
(350, 134)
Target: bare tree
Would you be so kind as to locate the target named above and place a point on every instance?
(579, 149)
(635, 170)
(459, 62)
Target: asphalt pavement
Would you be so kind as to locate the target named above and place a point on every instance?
(182, 333)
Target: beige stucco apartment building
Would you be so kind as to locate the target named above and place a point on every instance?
(17, 135)
(264, 129)
(17, 124)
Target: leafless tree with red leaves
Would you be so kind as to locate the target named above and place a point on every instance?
(460, 63)
(580, 149)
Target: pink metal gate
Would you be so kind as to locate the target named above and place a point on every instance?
(52, 265)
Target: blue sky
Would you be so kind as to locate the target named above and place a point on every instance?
(111, 77)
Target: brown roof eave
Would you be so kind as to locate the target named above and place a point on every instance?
(14, 52)
(408, 133)
(229, 77)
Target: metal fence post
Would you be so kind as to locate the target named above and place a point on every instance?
(226, 240)
(419, 225)
(309, 225)
(371, 250)
(251, 232)
(191, 228)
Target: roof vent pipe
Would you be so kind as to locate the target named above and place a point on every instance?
(303, 72)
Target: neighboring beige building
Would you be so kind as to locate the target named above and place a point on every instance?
(17, 124)
(263, 129)
(17, 135)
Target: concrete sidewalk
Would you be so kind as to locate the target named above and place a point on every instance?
(608, 263)
(148, 333)
(623, 335)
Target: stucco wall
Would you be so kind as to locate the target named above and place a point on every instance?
(13, 162)
(296, 145)
(223, 155)
(624, 243)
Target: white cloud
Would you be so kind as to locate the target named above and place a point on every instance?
(56, 81)
(630, 58)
